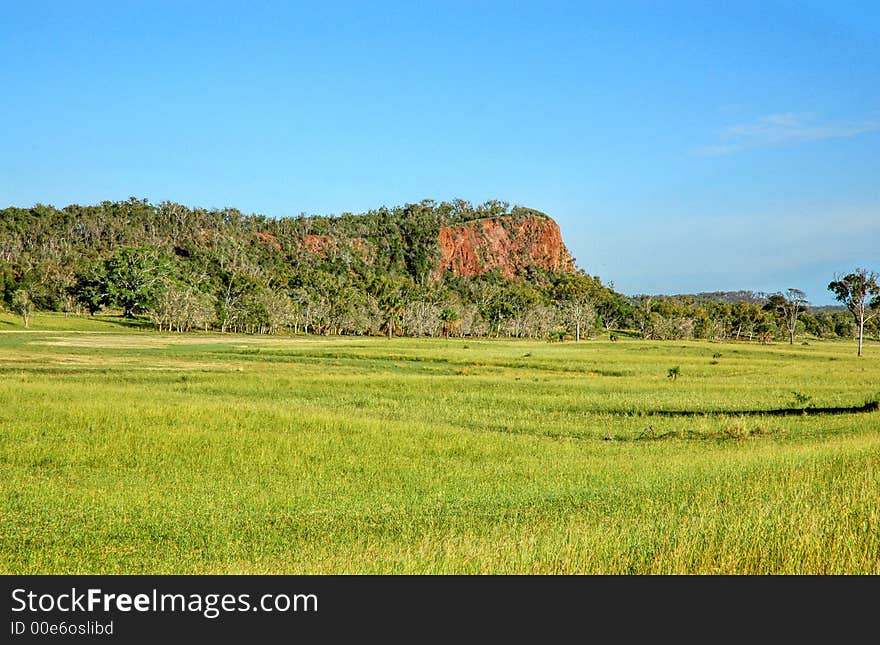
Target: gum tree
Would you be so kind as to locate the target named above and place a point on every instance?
(860, 292)
(788, 307)
(24, 306)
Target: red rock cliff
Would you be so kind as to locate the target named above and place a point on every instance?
(508, 243)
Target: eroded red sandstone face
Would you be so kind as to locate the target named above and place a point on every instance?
(324, 245)
(270, 239)
(319, 244)
(510, 244)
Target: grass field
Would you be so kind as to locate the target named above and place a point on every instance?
(126, 451)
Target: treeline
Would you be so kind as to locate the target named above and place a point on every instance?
(375, 273)
(44, 249)
(755, 317)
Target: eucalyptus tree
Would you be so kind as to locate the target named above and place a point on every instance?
(788, 307)
(131, 279)
(23, 305)
(576, 297)
(860, 292)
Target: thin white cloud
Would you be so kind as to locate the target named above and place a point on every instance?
(763, 250)
(786, 128)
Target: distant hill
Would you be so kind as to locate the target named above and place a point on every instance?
(734, 297)
(828, 308)
(727, 297)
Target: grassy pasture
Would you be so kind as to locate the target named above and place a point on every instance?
(127, 451)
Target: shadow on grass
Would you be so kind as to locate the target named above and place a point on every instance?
(871, 406)
(131, 323)
(727, 433)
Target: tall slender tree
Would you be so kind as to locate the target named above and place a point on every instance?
(860, 292)
(24, 306)
(788, 307)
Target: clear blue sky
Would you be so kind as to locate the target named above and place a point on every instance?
(681, 146)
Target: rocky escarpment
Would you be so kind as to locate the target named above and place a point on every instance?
(78, 258)
(510, 244)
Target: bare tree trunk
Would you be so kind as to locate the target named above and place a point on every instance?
(577, 332)
(861, 333)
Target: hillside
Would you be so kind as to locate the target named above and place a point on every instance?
(426, 269)
(511, 243)
(423, 240)
(486, 266)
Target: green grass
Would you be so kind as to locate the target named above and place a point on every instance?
(62, 322)
(126, 451)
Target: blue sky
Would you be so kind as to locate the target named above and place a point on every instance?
(681, 146)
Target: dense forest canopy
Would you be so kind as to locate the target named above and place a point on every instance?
(372, 273)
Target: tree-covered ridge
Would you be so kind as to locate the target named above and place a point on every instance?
(186, 268)
(376, 273)
(41, 246)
